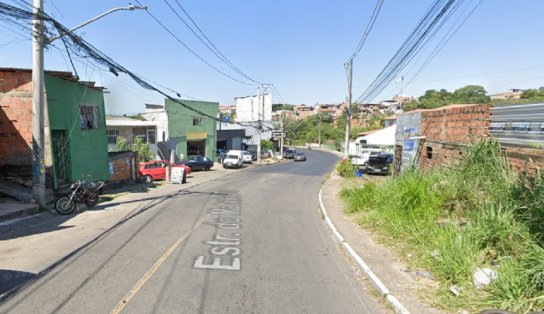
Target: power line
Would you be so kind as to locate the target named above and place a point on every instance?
(433, 20)
(483, 74)
(189, 48)
(453, 30)
(205, 40)
(368, 28)
(86, 51)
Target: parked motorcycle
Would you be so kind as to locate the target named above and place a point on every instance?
(81, 192)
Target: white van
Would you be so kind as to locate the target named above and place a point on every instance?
(233, 159)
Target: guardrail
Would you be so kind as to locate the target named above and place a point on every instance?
(518, 125)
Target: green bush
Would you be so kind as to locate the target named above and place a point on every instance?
(346, 169)
(144, 153)
(266, 145)
(452, 220)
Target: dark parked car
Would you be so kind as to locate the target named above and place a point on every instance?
(289, 153)
(198, 163)
(300, 156)
(380, 164)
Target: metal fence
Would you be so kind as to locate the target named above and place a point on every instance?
(518, 125)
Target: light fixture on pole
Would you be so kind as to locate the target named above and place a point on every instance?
(38, 97)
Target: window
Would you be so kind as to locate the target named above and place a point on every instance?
(429, 152)
(89, 116)
(151, 134)
(112, 136)
(197, 121)
(139, 132)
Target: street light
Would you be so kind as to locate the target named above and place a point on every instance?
(127, 8)
(38, 41)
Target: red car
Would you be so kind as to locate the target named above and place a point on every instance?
(156, 170)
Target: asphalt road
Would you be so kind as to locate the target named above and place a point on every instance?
(253, 242)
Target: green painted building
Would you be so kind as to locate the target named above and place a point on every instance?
(77, 130)
(193, 133)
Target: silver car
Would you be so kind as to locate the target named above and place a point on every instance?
(300, 156)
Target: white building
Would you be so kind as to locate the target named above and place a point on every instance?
(131, 129)
(157, 114)
(254, 113)
(254, 108)
(382, 140)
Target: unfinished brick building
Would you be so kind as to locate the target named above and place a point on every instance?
(428, 139)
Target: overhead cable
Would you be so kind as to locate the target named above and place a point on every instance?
(368, 28)
(205, 40)
(427, 27)
(158, 21)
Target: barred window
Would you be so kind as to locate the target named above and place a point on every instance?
(151, 134)
(89, 116)
(112, 136)
(197, 121)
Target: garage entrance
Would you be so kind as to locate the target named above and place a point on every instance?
(196, 148)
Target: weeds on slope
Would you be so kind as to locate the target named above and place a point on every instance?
(473, 214)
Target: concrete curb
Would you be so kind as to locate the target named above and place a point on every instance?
(386, 294)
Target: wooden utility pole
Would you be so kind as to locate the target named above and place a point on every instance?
(349, 68)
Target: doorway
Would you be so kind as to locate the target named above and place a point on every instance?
(60, 156)
(196, 148)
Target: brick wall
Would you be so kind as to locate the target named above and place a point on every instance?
(529, 160)
(15, 118)
(121, 166)
(448, 130)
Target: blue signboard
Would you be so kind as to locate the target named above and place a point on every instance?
(226, 118)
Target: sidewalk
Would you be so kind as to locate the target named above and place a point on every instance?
(53, 238)
(380, 259)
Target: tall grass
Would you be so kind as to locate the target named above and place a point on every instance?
(473, 214)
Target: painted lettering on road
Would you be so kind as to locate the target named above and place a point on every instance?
(224, 253)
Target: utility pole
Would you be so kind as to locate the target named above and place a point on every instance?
(319, 130)
(259, 113)
(38, 96)
(282, 134)
(349, 68)
(261, 90)
(38, 155)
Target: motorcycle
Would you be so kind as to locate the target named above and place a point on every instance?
(81, 192)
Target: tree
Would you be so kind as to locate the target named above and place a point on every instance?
(277, 107)
(267, 144)
(533, 94)
(144, 154)
(470, 94)
(137, 116)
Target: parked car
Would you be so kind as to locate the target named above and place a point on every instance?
(380, 164)
(289, 153)
(365, 154)
(198, 163)
(234, 159)
(253, 155)
(300, 156)
(156, 170)
(247, 157)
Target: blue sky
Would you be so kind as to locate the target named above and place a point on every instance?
(300, 46)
